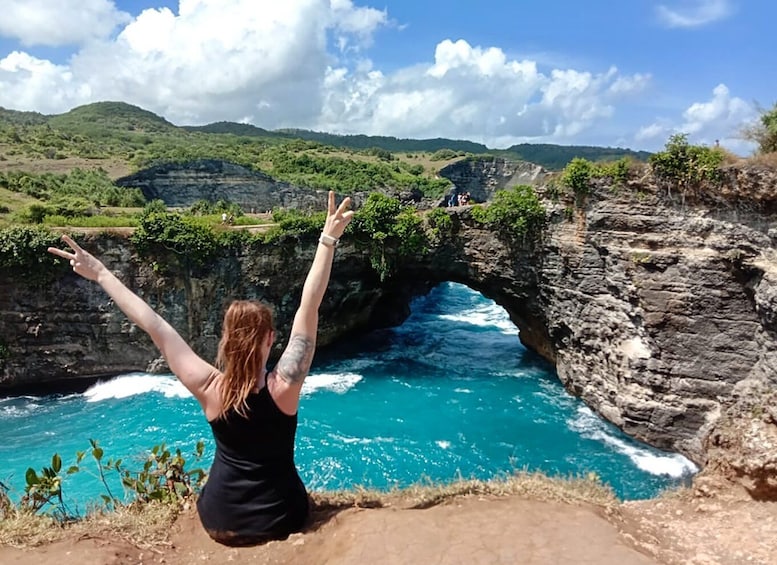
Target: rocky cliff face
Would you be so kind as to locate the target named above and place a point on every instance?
(661, 315)
(181, 185)
(483, 176)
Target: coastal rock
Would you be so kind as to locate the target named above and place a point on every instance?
(183, 184)
(661, 314)
(482, 176)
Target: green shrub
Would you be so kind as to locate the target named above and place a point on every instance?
(686, 166)
(439, 224)
(183, 239)
(389, 230)
(577, 176)
(23, 252)
(444, 155)
(516, 211)
(764, 133)
(92, 221)
(163, 477)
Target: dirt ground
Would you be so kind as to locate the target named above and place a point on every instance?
(684, 529)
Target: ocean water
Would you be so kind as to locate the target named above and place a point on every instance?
(451, 393)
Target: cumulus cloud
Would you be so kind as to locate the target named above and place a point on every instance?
(720, 118)
(297, 63)
(64, 22)
(694, 13)
(474, 93)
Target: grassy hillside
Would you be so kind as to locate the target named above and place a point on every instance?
(110, 116)
(120, 131)
(43, 159)
(556, 157)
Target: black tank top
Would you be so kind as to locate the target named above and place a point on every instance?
(254, 491)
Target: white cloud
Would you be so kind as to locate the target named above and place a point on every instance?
(721, 118)
(473, 93)
(62, 22)
(277, 64)
(722, 112)
(694, 13)
(652, 131)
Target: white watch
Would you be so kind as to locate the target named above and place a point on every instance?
(328, 240)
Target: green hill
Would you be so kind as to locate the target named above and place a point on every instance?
(393, 144)
(113, 116)
(126, 132)
(233, 128)
(556, 157)
(17, 118)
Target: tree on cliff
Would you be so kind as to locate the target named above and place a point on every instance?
(764, 132)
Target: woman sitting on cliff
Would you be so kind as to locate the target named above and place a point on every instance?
(253, 492)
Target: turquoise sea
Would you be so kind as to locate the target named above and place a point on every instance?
(451, 393)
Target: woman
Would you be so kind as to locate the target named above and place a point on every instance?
(253, 492)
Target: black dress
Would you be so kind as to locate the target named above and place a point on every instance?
(254, 492)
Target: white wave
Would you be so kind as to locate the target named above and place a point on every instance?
(16, 411)
(360, 440)
(442, 444)
(14, 399)
(671, 465)
(136, 383)
(339, 382)
(488, 316)
(463, 390)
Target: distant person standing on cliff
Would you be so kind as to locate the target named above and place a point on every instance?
(254, 492)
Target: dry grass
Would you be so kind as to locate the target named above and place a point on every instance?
(148, 526)
(115, 167)
(143, 526)
(768, 160)
(534, 486)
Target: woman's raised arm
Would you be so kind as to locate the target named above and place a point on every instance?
(192, 370)
(294, 364)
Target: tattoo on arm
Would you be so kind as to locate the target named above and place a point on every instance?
(295, 362)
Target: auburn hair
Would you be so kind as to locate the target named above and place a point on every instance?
(247, 323)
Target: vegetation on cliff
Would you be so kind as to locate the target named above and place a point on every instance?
(163, 477)
(681, 167)
(764, 132)
(516, 212)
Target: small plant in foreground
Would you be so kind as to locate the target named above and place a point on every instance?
(163, 478)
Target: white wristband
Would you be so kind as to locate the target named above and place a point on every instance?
(328, 240)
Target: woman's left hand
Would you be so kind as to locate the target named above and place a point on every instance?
(83, 262)
(337, 219)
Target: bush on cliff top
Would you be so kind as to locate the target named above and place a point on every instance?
(23, 254)
(388, 230)
(516, 211)
(764, 132)
(686, 166)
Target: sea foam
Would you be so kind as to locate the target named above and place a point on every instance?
(651, 461)
(334, 382)
(133, 384)
(492, 315)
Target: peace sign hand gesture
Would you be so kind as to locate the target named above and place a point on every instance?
(83, 262)
(337, 219)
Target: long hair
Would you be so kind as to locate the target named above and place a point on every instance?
(247, 324)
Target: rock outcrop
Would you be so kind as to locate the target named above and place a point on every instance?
(482, 176)
(183, 184)
(660, 314)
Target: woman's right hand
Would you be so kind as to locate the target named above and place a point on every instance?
(337, 219)
(83, 262)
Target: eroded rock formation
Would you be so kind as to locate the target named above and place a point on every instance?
(660, 314)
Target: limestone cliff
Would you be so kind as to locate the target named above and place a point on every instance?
(182, 184)
(482, 176)
(660, 314)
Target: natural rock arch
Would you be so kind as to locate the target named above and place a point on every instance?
(661, 317)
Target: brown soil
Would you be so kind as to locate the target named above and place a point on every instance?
(114, 167)
(680, 529)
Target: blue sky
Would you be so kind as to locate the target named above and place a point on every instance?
(494, 71)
